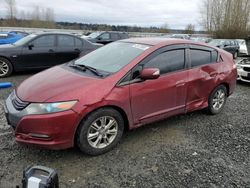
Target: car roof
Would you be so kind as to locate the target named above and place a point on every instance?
(162, 41)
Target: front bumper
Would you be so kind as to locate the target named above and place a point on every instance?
(50, 131)
(243, 75)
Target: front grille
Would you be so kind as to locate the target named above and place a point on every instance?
(18, 103)
(246, 78)
(246, 69)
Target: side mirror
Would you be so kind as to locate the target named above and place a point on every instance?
(150, 74)
(30, 46)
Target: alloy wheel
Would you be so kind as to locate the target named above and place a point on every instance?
(102, 132)
(4, 68)
(219, 99)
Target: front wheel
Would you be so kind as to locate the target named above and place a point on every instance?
(217, 100)
(5, 67)
(100, 131)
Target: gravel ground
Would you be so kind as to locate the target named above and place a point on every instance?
(193, 150)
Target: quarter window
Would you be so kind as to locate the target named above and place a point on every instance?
(169, 61)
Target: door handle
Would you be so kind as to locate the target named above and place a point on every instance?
(180, 83)
(77, 50)
(213, 74)
(51, 50)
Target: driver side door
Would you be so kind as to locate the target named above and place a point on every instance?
(153, 100)
(39, 53)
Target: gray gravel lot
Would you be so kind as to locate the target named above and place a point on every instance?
(193, 150)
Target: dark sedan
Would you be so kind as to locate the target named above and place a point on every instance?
(39, 51)
(231, 46)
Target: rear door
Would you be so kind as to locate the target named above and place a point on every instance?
(202, 76)
(39, 53)
(156, 99)
(68, 48)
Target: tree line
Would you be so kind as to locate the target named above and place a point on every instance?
(226, 18)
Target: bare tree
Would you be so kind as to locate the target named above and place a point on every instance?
(226, 18)
(11, 12)
(190, 29)
(11, 9)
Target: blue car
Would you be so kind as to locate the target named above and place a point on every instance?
(9, 38)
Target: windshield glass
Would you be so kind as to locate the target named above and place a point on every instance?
(112, 57)
(94, 35)
(25, 40)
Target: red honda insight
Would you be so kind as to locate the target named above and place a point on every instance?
(91, 101)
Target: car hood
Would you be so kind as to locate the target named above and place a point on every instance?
(6, 46)
(58, 84)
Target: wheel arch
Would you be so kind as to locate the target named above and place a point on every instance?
(117, 108)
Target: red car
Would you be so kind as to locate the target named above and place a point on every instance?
(89, 102)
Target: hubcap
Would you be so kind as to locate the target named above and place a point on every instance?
(219, 99)
(102, 132)
(4, 68)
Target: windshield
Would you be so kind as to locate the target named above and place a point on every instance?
(112, 57)
(25, 40)
(94, 35)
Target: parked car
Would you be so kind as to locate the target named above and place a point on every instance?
(243, 47)
(231, 46)
(180, 36)
(106, 37)
(23, 33)
(9, 38)
(201, 39)
(124, 85)
(243, 69)
(39, 51)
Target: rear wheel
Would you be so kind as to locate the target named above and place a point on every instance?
(217, 100)
(5, 67)
(100, 131)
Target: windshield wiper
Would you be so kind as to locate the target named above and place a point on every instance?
(86, 67)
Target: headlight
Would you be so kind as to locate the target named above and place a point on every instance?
(46, 108)
(239, 66)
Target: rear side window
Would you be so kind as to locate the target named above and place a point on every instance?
(115, 36)
(78, 43)
(169, 61)
(64, 40)
(202, 57)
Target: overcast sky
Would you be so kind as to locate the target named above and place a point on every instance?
(176, 13)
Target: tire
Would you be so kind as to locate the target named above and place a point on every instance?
(94, 137)
(6, 67)
(217, 100)
(235, 55)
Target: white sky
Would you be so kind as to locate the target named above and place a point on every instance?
(176, 13)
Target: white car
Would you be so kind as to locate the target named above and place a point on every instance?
(243, 69)
(243, 47)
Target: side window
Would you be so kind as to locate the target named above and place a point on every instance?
(200, 57)
(65, 41)
(105, 36)
(169, 61)
(214, 56)
(115, 36)
(44, 41)
(78, 43)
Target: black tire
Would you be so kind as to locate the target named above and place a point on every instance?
(235, 55)
(211, 105)
(5, 64)
(86, 125)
